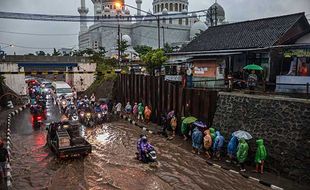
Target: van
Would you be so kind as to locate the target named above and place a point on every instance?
(61, 88)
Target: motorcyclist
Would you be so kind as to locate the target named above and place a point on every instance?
(86, 100)
(104, 106)
(71, 111)
(144, 148)
(97, 108)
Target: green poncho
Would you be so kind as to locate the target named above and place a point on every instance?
(212, 133)
(261, 152)
(242, 152)
(140, 109)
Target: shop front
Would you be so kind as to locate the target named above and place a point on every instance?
(295, 70)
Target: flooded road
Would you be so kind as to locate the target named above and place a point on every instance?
(112, 164)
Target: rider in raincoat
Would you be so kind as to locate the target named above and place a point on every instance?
(218, 144)
(128, 108)
(135, 110)
(197, 140)
(207, 142)
(260, 155)
(232, 148)
(242, 153)
(140, 111)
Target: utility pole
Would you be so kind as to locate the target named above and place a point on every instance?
(119, 43)
(158, 31)
(163, 36)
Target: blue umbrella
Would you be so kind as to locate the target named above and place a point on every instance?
(200, 124)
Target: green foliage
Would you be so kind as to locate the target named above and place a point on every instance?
(56, 53)
(142, 49)
(154, 59)
(122, 47)
(40, 53)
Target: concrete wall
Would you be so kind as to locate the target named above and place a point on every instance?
(15, 82)
(284, 124)
(88, 79)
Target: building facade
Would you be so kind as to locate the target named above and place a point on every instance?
(177, 27)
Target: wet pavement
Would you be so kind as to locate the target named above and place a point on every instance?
(112, 164)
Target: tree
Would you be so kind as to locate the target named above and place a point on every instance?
(168, 48)
(122, 47)
(56, 53)
(154, 59)
(142, 49)
(40, 53)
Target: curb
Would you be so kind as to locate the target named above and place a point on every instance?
(125, 117)
(9, 143)
(245, 176)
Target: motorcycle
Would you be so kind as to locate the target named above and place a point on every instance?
(74, 117)
(37, 121)
(151, 155)
(88, 120)
(63, 106)
(98, 118)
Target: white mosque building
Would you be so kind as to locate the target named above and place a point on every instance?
(140, 28)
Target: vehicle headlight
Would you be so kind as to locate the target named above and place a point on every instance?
(63, 103)
(88, 114)
(99, 115)
(82, 114)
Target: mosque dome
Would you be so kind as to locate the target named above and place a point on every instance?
(127, 39)
(98, 10)
(219, 10)
(165, 11)
(184, 11)
(106, 9)
(196, 28)
(127, 11)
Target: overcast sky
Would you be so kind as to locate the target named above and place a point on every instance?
(236, 10)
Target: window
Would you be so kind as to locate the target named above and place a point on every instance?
(180, 21)
(162, 7)
(164, 20)
(186, 21)
(170, 20)
(176, 7)
(171, 7)
(180, 7)
(166, 6)
(183, 7)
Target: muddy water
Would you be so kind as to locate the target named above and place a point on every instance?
(112, 164)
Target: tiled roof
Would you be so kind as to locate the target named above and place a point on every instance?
(248, 34)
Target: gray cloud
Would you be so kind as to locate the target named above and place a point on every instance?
(236, 10)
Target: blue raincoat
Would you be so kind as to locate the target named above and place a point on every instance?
(232, 146)
(218, 142)
(197, 138)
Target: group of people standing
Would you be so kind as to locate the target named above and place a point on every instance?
(139, 111)
(237, 149)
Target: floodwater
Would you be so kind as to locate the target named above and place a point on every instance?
(112, 164)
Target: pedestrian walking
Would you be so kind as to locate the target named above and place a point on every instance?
(92, 99)
(197, 140)
(147, 114)
(232, 149)
(218, 145)
(4, 157)
(207, 143)
(252, 80)
(118, 108)
(260, 156)
(140, 112)
(135, 110)
(128, 108)
(242, 153)
(173, 124)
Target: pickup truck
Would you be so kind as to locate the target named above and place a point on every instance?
(64, 139)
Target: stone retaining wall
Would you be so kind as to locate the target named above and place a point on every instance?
(283, 123)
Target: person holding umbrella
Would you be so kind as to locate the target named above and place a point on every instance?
(252, 78)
